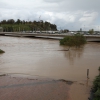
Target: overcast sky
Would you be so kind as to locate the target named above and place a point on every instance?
(66, 14)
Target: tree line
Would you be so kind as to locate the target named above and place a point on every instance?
(11, 25)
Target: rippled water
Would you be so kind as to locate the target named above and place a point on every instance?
(45, 58)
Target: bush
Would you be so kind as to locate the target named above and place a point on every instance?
(97, 91)
(76, 40)
(1, 51)
(99, 70)
(96, 87)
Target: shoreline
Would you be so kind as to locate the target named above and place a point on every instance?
(62, 89)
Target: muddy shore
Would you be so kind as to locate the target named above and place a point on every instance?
(21, 88)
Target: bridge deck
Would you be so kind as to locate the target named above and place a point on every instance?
(46, 35)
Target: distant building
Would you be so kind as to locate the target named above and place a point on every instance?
(80, 29)
(1, 29)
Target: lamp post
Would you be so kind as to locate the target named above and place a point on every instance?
(39, 24)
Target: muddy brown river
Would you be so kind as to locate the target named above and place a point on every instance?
(46, 58)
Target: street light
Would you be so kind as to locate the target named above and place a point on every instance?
(39, 24)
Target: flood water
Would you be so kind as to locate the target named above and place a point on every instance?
(45, 58)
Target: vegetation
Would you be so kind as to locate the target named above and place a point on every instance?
(96, 87)
(21, 25)
(91, 31)
(99, 70)
(76, 40)
(1, 51)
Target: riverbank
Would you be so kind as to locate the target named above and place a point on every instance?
(21, 88)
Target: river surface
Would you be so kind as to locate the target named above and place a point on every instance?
(45, 58)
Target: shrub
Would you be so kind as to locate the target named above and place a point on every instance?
(99, 70)
(76, 40)
(96, 87)
(97, 93)
(1, 51)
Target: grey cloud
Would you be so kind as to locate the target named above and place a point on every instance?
(74, 5)
(70, 14)
(53, 1)
(4, 5)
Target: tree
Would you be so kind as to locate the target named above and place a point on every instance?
(91, 31)
(76, 40)
(66, 30)
(18, 21)
(47, 25)
(10, 21)
(11, 25)
(3, 22)
(23, 22)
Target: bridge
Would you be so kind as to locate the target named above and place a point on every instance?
(46, 35)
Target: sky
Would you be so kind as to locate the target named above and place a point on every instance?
(66, 14)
